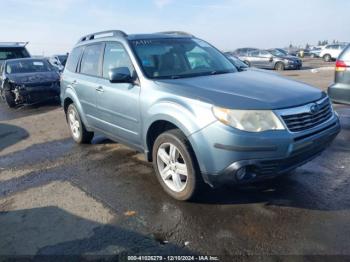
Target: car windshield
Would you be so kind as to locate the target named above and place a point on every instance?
(27, 66)
(276, 52)
(12, 53)
(180, 58)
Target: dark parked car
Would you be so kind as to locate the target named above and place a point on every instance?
(9, 50)
(340, 90)
(58, 61)
(28, 81)
(271, 59)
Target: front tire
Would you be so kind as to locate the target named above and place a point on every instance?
(176, 166)
(9, 98)
(279, 66)
(77, 127)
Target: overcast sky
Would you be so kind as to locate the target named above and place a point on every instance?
(54, 26)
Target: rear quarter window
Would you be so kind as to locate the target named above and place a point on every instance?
(73, 59)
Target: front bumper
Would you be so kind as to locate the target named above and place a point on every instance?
(222, 151)
(339, 93)
(294, 65)
(29, 95)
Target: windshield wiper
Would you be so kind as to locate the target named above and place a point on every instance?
(220, 72)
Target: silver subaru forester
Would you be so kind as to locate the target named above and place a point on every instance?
(191, 111)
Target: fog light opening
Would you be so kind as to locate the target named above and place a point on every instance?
(241, 173)
(245, 173)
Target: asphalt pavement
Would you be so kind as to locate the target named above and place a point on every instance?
(57, 197)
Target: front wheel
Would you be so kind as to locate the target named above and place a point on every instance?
(175, 165)
(9, 98)
(279, 66)
(76, 126)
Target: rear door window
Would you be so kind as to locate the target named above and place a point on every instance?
(90, 62)
(254, 53)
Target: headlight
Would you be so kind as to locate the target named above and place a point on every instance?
(248, 120)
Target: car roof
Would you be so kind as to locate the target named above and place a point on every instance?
(156, 36)
(25, 59)
(10, 46)
(13, 44)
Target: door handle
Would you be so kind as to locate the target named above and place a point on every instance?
(74, 83)
(100, 89)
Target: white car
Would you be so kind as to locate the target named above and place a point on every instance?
(331, 52)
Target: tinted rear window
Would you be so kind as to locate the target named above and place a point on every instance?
(13, 53)
(73, 59)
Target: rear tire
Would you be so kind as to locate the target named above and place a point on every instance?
(177, 172)
(327, 58)
(77, 127)
(279, 66)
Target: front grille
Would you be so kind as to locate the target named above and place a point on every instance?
(306, 119)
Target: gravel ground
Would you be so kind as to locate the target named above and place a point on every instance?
(103, 199)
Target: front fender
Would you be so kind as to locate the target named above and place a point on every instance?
(189, 116)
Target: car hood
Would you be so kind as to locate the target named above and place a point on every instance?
(30, 78)
(249, 89)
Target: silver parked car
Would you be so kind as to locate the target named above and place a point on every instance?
(187, 107)
(271, 59)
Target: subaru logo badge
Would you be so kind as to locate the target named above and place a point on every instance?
(314, 108)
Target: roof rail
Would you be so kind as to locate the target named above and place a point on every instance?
(175, 33)
(101, 34)
(14, 43)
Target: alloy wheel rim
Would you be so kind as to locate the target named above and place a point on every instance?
(74, 124)
(172, 167)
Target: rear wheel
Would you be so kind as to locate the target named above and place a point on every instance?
(327, 58)
(175, 165)
(279, 66)
(77, 127)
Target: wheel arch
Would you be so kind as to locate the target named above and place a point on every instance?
(159, 126)
(71, 98)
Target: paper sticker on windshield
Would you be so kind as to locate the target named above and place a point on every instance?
(37, 63)
(201, 43)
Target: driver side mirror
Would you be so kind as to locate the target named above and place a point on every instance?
(120, 75)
